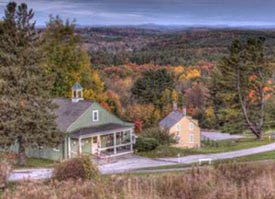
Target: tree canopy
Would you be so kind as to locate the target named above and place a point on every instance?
(150, 87)
(245, 84)
(67, 60)
(26, 109)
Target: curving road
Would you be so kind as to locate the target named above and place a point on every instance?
(133, 163)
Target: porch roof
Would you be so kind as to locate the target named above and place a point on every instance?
(100, 129)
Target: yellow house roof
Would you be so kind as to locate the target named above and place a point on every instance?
(173, 118)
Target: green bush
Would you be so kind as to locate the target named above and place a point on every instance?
(144, 144)
(76, 168)
(161, 135)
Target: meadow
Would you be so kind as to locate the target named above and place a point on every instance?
(223, 181)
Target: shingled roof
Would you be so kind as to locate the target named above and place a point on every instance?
(171, 119)
(68, 111)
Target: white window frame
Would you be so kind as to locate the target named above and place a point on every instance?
(96, 111)
(191, 138)
(191, 126)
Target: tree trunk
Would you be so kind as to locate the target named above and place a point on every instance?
(21, 152)
(255, 129)
(259, 135)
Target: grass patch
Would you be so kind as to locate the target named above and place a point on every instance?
(270, 155)
(37, 163)
(207, 147)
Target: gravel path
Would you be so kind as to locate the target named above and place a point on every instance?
(135, 162)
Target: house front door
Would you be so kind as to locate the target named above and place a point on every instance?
(94, 145)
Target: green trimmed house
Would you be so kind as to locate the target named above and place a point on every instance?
(89, 128)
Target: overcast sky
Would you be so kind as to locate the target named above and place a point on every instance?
(165, 12)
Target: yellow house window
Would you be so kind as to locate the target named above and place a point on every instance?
(191, 138)
(191, 126)
(177, 138)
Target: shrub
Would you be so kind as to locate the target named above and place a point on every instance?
(161, 135)
(76, 168)
(144, 144)
(5, 169)
(9, 157)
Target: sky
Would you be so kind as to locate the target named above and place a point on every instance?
(162, 12)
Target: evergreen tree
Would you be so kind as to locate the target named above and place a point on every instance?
(150, 87)
(26, 110)
(245, 85)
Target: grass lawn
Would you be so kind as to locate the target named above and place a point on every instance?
(30, 162)
(37, 163)
(207, 147)
(257, 157)
(270, 155)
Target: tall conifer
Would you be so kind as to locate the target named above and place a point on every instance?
(26, 110)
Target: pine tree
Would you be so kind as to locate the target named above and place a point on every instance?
(244, 83)
(26, 109)
(149, 88)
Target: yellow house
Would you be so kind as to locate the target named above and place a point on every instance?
(185, 129)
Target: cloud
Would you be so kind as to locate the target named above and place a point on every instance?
(106, 12)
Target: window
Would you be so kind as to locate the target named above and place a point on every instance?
(178, 127)
(94, 140)
(191, 138)
(95, 116)
(191, 126)
(177, 138)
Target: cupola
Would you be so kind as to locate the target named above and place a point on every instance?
(77, 92)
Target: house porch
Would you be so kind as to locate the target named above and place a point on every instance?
(103, 141)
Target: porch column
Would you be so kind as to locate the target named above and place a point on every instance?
(115, 143)
(98, 144)
(92, 145)
(69, 147)
(79, 146)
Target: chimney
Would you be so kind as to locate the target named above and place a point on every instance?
(184, 112)
(175, 106)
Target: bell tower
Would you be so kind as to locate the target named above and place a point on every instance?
(77, 92)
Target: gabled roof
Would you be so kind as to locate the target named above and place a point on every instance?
(68, 112)
(173, 118)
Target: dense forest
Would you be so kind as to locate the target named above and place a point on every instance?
(117, 46)
(130, 61)
(219, 75)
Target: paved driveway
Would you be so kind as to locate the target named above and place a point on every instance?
(132, 163)
(216, 136)
(221, 156)
(135, 162)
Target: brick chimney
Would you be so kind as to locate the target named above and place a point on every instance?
(175, 106)
(184, 111)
